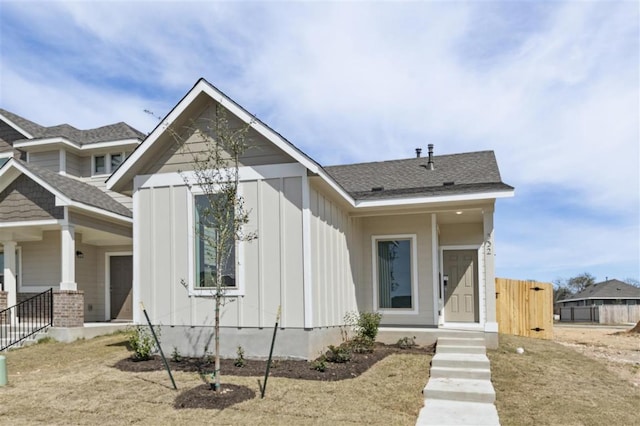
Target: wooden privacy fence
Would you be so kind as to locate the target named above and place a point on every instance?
(524, 308)
(603, 314)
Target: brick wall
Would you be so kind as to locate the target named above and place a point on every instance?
(68, 308)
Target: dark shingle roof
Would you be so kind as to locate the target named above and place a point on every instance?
(78, 191)
(111, 132)
(453, 174)
(612, 288)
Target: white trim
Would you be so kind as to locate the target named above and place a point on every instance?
(99, 211)
(247, 173)
(16, 127)
(81, 147)
(428, 200)
(32, 223)
(107, 281)
(435, 276)
(307, 277)
(8, 154)
(62, 160)
(18, 250)
(136, 254)
(415, 300)
(477, 248)
(208, 292)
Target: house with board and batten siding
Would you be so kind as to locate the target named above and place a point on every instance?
(60, 228)
(411, 239)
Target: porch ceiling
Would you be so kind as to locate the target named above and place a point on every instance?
(466, 216)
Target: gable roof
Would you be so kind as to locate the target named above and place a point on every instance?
(31, 130)
(611, 289)
(352, 182)
(452, 174)
(71, 191)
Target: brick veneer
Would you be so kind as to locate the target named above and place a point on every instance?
(68, 308)
(3, 304)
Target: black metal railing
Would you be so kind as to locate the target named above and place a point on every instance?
(25, 319)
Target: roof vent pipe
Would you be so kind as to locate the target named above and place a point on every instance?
(430, 162)
(418, 152)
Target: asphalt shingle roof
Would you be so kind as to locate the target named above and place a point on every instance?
(111, 132)
(453, 174)
(611, 288)
(79, 191)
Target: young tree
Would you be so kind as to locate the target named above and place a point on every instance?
(215, 148)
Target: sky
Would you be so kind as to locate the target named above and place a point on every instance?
(552, 87)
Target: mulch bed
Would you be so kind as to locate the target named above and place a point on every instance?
(291, 369)
(204, 397)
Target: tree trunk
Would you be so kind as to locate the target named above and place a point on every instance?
(216, 385)
(635, 329)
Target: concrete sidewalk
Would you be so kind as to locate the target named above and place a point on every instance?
(459, 390)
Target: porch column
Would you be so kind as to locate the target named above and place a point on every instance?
(10, 281)
(68, 255)
(489, 272)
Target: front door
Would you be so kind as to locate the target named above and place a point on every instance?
(461, 291)
(120, 281)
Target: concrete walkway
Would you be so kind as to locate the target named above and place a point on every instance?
(459, 390)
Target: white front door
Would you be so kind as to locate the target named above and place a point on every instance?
(461, 291)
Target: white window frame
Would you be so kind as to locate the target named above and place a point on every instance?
(413, 238)
(107, 162)
(239, 289)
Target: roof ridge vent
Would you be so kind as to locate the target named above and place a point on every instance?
(377, 189)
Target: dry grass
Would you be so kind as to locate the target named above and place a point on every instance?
(57, 383)
(551, 384)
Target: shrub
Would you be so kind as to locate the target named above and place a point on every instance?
(319, 364)
(239, 361)
(365, 324)
(175, 355)
(406, 342)
(338, 354)
(141, 343)
(362, 344)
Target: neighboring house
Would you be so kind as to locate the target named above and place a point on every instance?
(60, 227)
(362, 237)
(610, 292)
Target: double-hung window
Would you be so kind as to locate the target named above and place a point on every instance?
(395, 273)
(106, 163)
(208, 242)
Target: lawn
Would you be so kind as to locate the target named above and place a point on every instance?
(551, 384)
(55, 383)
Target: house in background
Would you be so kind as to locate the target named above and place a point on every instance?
(60, 228)
(610, 292)
(411, 239)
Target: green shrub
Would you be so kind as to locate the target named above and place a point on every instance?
(141, 343)
(320, 364)
(362, 344)
(365, 324)
(338, 354)
(239, 361)
(175, 355)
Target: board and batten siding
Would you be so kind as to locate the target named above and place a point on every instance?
(334, 254)
(410, 224)
(271, 266)
(46, 159)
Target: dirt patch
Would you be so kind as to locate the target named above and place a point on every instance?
(618, 349)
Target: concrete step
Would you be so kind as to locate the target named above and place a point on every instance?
(460, 349)
(443, 412)
(461, 373)
(461, 341)
(460, 360)
(460, 390)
